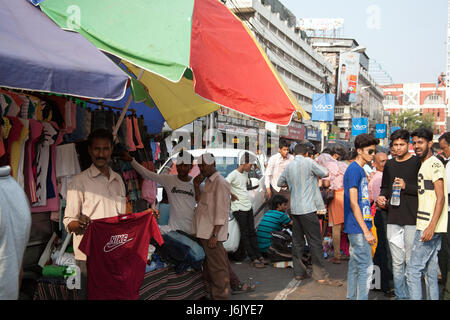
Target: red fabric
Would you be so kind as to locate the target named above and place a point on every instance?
(116, 253)
(2, 147)
(218, 72)
(137, 134)
(130, 142)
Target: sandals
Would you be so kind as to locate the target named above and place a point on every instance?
(242, 288)
(330, 282)
(265, 261)
(257, 264)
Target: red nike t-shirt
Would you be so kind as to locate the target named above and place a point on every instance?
(116, 250)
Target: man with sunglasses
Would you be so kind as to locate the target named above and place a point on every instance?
(358, 219)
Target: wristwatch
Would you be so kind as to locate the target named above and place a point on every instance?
(214, 235)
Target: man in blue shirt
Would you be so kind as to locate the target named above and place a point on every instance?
(301, 177)
(358, 219)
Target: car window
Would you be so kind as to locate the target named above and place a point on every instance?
(255, 171)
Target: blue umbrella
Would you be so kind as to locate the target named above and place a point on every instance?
(37, 55)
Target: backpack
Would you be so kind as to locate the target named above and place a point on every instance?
(281, 247)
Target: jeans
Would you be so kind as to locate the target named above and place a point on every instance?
(400, 257)
(424, 259)
(307, 225)
(382, 256)
(246, 223)
(360, 268)
(195, 250)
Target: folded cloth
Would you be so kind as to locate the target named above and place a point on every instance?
(52, 271)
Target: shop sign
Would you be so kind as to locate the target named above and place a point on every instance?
(228, 128)
(314, 135)
(295, 131)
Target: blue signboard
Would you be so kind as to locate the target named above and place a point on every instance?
(359, 125)
(380, 131)
(314, 135)
(323, 107)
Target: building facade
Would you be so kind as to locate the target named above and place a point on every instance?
(423, 97)
(369, 103)
(302, 68)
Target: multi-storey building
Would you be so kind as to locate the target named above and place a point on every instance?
(369, 102)
(423, 97)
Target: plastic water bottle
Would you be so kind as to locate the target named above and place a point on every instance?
(395, 198)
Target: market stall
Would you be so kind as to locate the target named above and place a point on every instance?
(45, 145)
(52, 95)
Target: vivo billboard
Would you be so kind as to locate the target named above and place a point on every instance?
(359, 126)
(323, 107)
(380, 131)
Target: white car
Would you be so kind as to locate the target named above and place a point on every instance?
(227, 161)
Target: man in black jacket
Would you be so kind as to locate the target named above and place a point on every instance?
(401, 221)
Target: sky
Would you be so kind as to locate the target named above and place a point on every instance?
(406, 37)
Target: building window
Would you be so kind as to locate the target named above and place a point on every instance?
(434, 99)
(390, 99)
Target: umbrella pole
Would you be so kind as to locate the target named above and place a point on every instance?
(124, 111)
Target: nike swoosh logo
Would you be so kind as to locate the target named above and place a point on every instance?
(110, 247)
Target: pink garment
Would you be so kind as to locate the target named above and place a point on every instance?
(375, 185)
(137, 134)
(149, 191)
(131, 145)
(336, 170)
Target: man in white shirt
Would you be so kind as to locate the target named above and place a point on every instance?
(275, 167)
(181, 195)
(242, 208)
(444, 253)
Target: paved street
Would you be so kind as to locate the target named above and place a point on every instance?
(279, 284)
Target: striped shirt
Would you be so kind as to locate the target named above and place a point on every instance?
(301, 177)
(273, 220)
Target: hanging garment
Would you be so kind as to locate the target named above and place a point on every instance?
(42, 161)
(16, 149)
(67, 165)
(14, 136)
(116, 250)
(21, 167)
(130, 142)
(52, 201)
(137, 134)
(30, 159)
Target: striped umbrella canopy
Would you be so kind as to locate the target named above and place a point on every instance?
(192, 55)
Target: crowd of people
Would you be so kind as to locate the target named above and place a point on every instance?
(390, 210)
(348, 192)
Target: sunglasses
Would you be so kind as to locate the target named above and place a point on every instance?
(371, 151)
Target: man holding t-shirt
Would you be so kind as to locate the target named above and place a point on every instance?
(358, 219)
(431, 219)
(401, 220)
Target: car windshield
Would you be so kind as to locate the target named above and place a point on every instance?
(223, 164)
